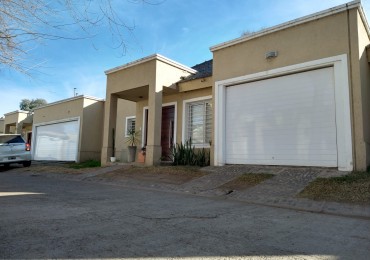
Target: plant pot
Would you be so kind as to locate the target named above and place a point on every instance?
(113, 159)
(141, 157)
(131, 154)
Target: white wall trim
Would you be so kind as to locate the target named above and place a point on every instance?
(342, 105)
(184, 104)
(175, 119)
(34, 133)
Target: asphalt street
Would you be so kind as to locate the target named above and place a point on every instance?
(44, 217)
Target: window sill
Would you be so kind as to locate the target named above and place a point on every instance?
(201, 146)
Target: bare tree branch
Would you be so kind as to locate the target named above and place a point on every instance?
(25, 24)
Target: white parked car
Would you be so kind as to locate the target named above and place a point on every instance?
(13, 149)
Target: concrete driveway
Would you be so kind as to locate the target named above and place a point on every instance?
(55, 218)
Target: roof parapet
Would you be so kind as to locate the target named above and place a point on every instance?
(295, 22)
(149, 58)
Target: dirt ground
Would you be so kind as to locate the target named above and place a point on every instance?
(164, 174)
(245, 181)
(54, 168)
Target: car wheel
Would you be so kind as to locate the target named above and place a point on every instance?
(27, 164)
(6, 165)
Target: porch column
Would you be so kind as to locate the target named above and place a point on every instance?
(110, 118)
(18, 128)
(153, 148)
(7, 129)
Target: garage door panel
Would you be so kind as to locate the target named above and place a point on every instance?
(317, 163)
(304, 101)
(284, 121)
(57, 142)
(290, 133)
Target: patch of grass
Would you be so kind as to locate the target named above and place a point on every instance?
(352, 188)
(157, 174)
(87, 164)
(247, 180)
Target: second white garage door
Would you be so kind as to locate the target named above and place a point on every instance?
(57, 142)
(289, 120)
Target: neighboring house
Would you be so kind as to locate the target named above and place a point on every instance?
(1, 125)
(68, 130)
(294, 94)
(19, 122)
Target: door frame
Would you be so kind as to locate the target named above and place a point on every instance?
(342, 105)
(146, 108)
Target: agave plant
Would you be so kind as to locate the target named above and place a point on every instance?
(132, 137)
(186, 154)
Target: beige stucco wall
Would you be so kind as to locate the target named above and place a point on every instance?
(2, 125)
(59, 111)
(363, 41)
(92, 129)
(15, 117)
(125, 108)
(178, 99)
(306, 42)
(326, 37)
(131, 77)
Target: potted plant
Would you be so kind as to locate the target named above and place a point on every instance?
(141, 155)
(132, 139)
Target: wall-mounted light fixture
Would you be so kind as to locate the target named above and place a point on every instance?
(271, 54)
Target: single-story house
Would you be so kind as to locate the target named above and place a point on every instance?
(294, 94)
(68, 130)
(18, 122)
(63, 128)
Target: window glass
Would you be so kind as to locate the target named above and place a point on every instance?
(130, 125)
(199, 122)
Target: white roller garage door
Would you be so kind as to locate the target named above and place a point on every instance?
(288, 120)
(57, 142)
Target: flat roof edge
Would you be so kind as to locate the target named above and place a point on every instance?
(69, 99)
(17, 111)
(298, 21)
(149, 58)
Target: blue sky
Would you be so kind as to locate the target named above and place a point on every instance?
(182, 30)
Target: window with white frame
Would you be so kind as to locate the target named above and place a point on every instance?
(198, 126)
(130, 124)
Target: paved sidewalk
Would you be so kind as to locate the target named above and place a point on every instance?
(281, 190)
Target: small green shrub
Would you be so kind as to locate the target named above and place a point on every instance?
(186, 154)
(86, 164)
